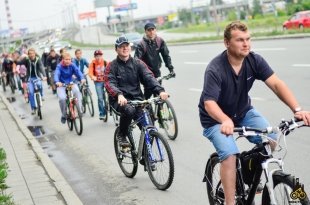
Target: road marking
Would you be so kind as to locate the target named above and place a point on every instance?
(301, 65)
(196, 63)
(258, 99)
(269, 49)
(189, 51)
(195, 90)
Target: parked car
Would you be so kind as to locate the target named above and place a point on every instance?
(299, 20)
(134, 39)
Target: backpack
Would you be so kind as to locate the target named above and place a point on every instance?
(158, 40)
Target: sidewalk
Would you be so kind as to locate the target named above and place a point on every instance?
(33, 178)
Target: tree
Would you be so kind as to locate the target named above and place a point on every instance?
(257, 9)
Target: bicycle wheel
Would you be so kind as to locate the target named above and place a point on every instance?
(3, 84)
(115, 115)
(106, 104)
(12, 84)
(90, 103)
(39, 111)
(69, 117)
(161, 167)
(213, 181)
(286, 191)
(77, 120)
(127, 161)
(167, 119)
(84, 100)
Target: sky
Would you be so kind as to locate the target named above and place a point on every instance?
(37, 15)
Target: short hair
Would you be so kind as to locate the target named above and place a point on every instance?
(31, 49)
(235, 25)
(77, 50)
(66, 54)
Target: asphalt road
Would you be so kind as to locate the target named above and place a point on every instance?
(88, 161)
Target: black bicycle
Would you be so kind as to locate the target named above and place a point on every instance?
(37, 97)
(280, 188)
(163, 112)
(151, 148)
(87, 100)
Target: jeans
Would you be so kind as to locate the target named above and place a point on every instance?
(100, 93)
(62, 96)
(225, 145)
(31, 91)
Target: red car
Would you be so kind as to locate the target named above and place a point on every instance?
(298, 20)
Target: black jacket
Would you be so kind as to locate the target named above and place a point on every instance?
(125, 78)
(148, 51)
(36, 66)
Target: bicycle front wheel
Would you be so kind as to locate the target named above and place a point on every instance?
(90, 103)
(160, 166)
(106, 107)
(286, 190)
(3, 84)
(77, 120)
(167, 119)
(127, 160)
(39, 111)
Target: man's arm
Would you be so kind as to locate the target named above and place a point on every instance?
(166, 57)
(110, 82)
(139, 52)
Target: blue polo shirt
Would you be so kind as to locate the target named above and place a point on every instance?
(228, 90)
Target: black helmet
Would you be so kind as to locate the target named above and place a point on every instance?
(98, 52)
(121, 40)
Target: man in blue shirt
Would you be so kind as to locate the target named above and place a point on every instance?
(80, 62)
(63, 75)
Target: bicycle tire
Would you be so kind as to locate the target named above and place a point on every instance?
(39, 111)
(91, 105)
(213, 181)
(167, 119)
(84, 101)
(160, 178)
(77, 120)
(69, 117)
(106, 104)
(12, 84)
(284, 182)
(3, 84)
(127, 161)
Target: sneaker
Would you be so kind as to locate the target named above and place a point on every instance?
(63, 120)
(102, 117)
(33, 112)
(123, 142)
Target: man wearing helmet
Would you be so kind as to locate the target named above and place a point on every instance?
(123, 77)
(149, 50)
(96, 73)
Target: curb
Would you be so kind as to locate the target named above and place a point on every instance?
(54, 174)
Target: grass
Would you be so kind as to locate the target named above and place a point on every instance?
(4, 198)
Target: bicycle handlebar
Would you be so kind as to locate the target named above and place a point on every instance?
(143, 102)
(166, 77)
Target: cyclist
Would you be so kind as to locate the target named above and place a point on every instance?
(8, 67)
(80, 62)
(149, 50)
(123, 77)
(225, 102)
(96, 73)
(51, 63)
(63, 75)
(35, 71)
(44, 57)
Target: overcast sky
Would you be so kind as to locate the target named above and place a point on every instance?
(45, 14)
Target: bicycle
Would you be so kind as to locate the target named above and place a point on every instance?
(3, 81)
(163, 111)
(280, 187)
(87, 100)
(151, 149)
(74, 115)
(37, 97)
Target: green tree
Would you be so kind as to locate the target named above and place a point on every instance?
(257, 9)
(184, 16)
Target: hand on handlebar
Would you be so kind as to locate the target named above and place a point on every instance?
(163, 95)
(59, 84)
(304, 116)
(83, 81)
(121, 100)
(227, 127)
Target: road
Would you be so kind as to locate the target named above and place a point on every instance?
(88, 161)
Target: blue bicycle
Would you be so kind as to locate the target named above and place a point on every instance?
(151, 149)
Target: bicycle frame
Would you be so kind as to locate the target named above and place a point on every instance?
(37, 93)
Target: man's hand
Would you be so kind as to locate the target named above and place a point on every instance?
(44, 78)
(59, 84)
(121, 100)
(83, 81)
(303, 115)
(227, 127)
(163, 95)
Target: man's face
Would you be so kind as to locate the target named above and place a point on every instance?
(150, 33)
(53, 53)
(123, 50)
(240, 43)
(98, 57)
(67, 60)
(31, 55)
(78, 54)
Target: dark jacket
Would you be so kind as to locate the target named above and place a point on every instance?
(125, 78)
(35, 66)
(148, 51)
(52, 62)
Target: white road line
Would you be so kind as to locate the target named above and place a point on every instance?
(196, 63)
(258, 99)
(189, 51)
(301, 65)
(269, 49)
(195, 89)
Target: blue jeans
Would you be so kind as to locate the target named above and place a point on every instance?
(100, 94)
(225, 145)
(31, 91)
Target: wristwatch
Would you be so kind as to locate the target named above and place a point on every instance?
(297, 109)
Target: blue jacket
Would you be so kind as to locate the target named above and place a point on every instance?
(81, 63)
(64, 73)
